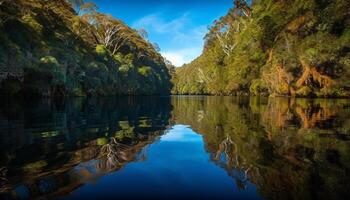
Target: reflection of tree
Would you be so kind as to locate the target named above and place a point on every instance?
(143, 154)
(312, 117)
(115, 153)
(241, 178)
(51, 148)
(3, 173)
(223, 148)
(3, 179)
(228, 158)
(281, 113)
(259, 140)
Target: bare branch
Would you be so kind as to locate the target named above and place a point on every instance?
(115, 153)
(109, 32)
(224, 38)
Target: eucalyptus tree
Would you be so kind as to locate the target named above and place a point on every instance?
(76, 4)
(109, 32)
(143, 33)
(81, 7)
(242, 8)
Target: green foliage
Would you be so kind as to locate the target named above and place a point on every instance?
(56, 74)
(35, 167)
(54, 51)
(304, 91)
(282, 48)
(101, 50)
(332, 92)
(31, 21)
(102, 141)
(258, 86)
(49, 60)
(145, 71)
(96, 67)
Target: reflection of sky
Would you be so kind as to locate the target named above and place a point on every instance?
(22, 191)
(181, 133)
(176, 166)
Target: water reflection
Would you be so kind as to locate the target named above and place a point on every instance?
(289, 148)
(49, 148)
(275, 148)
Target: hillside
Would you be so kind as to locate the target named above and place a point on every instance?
(48, 49)
(274, 47)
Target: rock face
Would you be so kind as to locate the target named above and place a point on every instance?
(47, 49)
(292, 48)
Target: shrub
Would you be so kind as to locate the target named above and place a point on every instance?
(49, 60)
(97, 66)
(332, 92)
(31, 22)
(258, 86)
(78, 92)
(304, 91)
(50, 66)
(144, 71)
(101, 50)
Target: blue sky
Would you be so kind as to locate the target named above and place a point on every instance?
(177, 26)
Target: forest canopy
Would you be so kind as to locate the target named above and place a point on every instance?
(274, 47)
(67, 48)
(262, 47)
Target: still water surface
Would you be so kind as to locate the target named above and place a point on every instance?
(175, 147)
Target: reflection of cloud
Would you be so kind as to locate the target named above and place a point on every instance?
(181, 133)
(183, 40)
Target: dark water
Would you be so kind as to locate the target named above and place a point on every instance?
(175, 148)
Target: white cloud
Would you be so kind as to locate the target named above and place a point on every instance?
(178, 57)
(155, 22)
(175, 58)
(180, 40)
(193, 36)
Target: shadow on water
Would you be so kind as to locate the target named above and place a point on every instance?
(287, 148)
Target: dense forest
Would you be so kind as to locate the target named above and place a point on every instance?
(67, 48)
(274, 47)
(262, 47)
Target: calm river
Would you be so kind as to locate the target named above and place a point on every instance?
(175, 147)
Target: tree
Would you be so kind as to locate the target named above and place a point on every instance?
(242, 8)
(76, 4)
(224, 36)
(156, 46)
(81, 7)
(88, 7)
(143, 33)
(168, 62)
(108, 31)
(76, 60)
